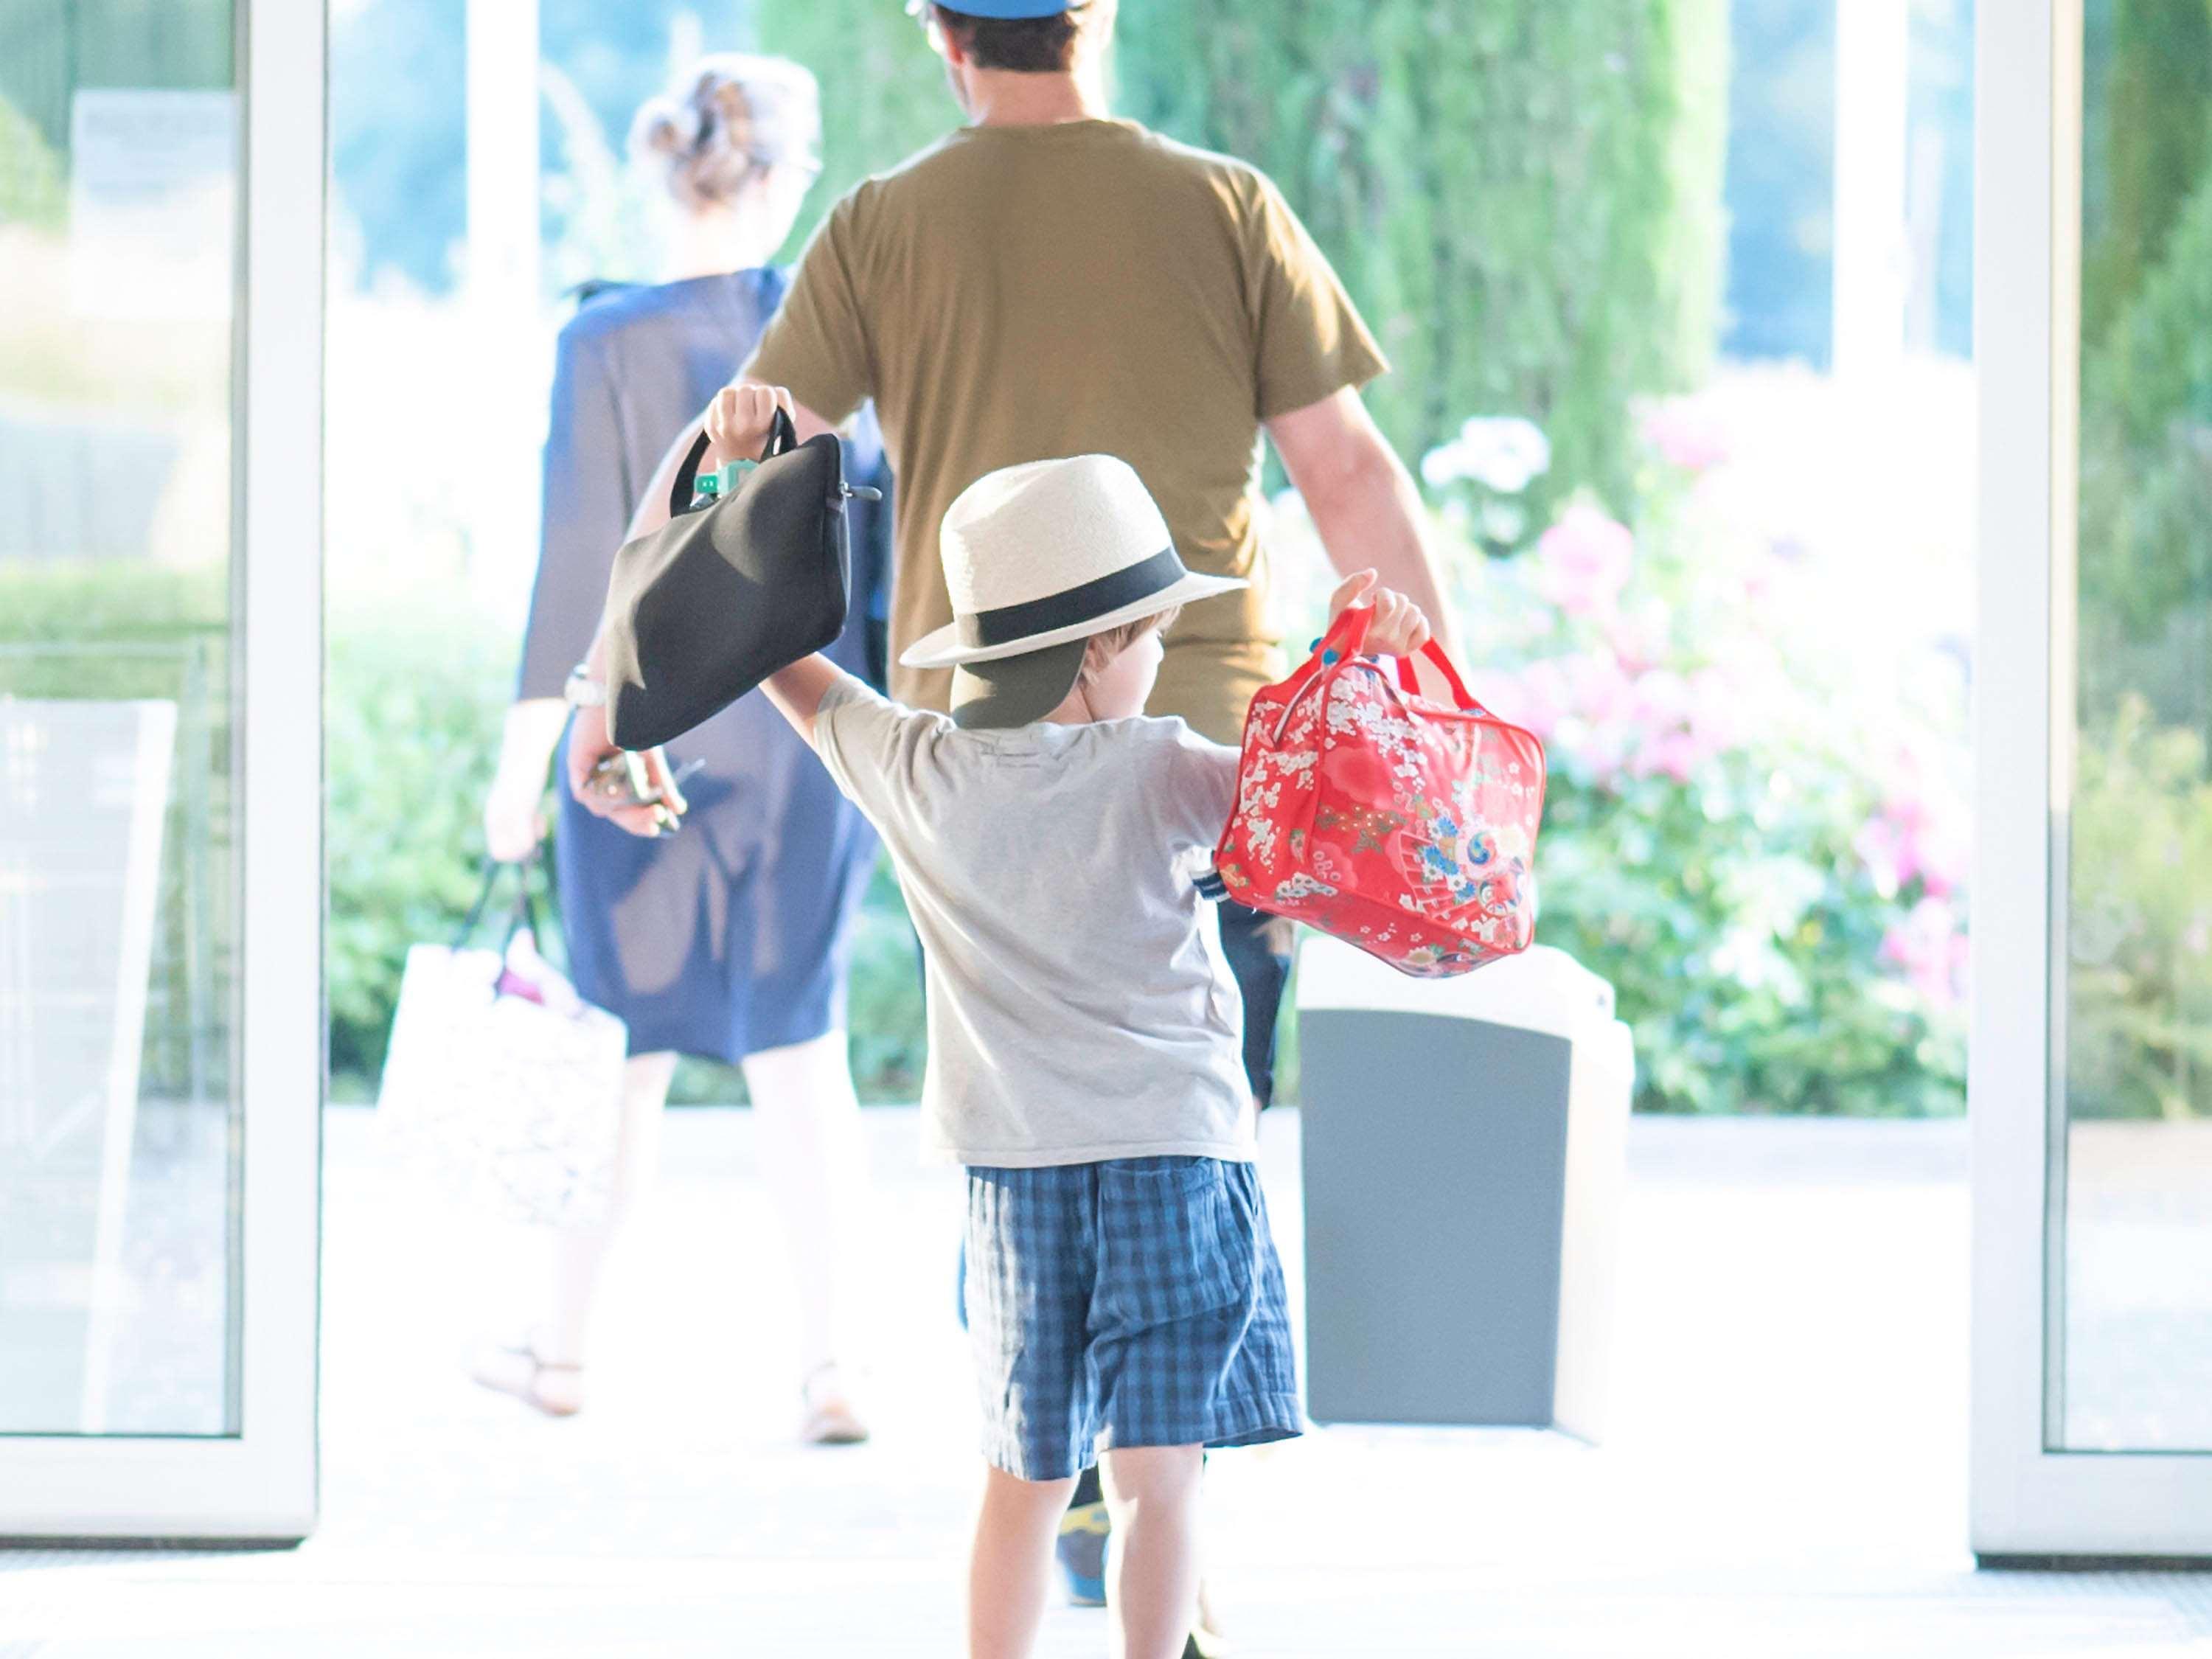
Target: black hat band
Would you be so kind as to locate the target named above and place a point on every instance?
(1073, 606)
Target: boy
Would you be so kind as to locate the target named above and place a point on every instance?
(1084, 1058)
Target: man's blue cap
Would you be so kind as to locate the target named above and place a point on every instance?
(1005, 9)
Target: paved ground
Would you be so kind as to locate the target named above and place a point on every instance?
(1785, 1477)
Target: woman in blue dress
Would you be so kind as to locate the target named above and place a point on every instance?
(729, 939)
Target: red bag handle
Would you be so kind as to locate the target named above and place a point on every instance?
(1409, 682)
(1340, 645)
(1347, 637)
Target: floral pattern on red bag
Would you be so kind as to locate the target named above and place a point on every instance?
(1402, 825)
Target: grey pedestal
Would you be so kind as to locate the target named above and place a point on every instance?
(1464, 1157)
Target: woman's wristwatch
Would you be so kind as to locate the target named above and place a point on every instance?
(582, 691)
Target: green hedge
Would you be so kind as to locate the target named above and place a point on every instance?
(412, 707)
(2139, 983)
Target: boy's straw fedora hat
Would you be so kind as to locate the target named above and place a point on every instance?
(1037, 559)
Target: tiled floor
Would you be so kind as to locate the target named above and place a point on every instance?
(1786, 1476)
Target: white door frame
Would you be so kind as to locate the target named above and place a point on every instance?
(261, 1483)
(2029, 1499)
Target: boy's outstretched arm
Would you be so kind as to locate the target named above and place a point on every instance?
(797, 692)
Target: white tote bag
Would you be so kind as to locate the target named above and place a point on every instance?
(502, 1086)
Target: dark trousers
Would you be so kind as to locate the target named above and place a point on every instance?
(1258, 946)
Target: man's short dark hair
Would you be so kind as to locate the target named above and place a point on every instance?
(1028, 46)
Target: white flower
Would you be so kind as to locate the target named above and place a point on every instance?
(1502, 452)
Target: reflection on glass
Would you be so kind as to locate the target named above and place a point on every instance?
(2134, 1372)
(118, 1151)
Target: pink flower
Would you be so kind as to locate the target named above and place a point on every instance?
(1600, 693)
(1598, 724)
(1687, 432)
(1583, 561)
(1638, 635)
(1922, 832)
(1717, 709)
(1931, 946)
(1941, 849)
(1675, 755)
(1882, 848)
(1535, 697)
(1609, 719)
(1680, 722)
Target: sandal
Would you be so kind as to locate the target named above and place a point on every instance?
(552, 1386)
(830, 1419)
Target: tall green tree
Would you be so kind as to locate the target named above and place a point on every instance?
(2146, 455)
(1523, 195)
(2146, 488)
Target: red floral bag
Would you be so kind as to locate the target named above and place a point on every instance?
(1397, 824)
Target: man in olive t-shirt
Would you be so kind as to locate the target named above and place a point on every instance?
(1047, 281)
(1020, 292)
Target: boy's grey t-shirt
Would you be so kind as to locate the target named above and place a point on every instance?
(1079, 1008)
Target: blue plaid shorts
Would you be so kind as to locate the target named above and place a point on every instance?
(1134, 1303)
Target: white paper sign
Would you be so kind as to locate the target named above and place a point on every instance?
(153, 194)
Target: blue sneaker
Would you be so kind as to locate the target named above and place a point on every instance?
(1082, 1551)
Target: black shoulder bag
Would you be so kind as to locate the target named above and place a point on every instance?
(731, 589)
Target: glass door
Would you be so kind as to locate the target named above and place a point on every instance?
(2092, 1080)
(161, 294)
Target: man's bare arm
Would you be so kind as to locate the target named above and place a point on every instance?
(1363, 500)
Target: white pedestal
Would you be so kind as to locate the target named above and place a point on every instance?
(1465, 1152)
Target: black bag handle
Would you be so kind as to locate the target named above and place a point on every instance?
(522, 913)
(782, 438)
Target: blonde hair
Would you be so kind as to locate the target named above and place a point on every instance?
(736, 116)
(1105, 648)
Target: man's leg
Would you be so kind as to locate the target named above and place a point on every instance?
(1258, 946)
(1012, 1563)
(1153, 1584)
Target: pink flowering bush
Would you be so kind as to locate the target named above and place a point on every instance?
(1582, 561)
(1757, 826)
(1686, 432)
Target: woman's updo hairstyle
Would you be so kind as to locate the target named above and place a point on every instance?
(732, 118)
